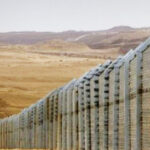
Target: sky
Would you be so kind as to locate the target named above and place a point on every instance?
(62, 15)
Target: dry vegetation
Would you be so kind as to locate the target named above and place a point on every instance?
(27, 74)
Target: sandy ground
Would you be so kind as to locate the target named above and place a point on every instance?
(25, 77)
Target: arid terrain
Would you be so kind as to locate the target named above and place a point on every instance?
(33, 64)
(122, 37)
(26, 75)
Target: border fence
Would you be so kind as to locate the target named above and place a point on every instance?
(108, 108)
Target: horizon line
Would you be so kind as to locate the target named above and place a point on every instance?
(73, 30)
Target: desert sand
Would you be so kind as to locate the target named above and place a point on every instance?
(27, 75)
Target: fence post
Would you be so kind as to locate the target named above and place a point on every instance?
(87, 114)
(34, 125)
(47, 119)
(95, 121)
(116, 109)
(127, 106)
(94, 92)
(106, 102)
(81, 129)
(94, 89)
(106, 121)
(21, 128)
(75, 117)
(45, 129)
(64, 115)
(69, 117)
(26, 129)
(59, 132)
(51, 101)
(55, 119)
(138, 145)
(64, 120)
(87, 107)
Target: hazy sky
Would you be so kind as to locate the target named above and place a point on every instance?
(59, 15)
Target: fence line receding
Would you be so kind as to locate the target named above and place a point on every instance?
(108, 108)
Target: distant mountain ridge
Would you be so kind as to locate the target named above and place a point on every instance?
(121, 29)
(124, 37)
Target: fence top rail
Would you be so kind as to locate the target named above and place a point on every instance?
(98, 70)
(125, 58)
(103, 67)
(110, 68)
(143, 46)
(70, 84)
(80, 80)
(92, 72)
(83, 79)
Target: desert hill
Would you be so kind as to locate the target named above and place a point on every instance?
(60, 45)
(122, 37)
